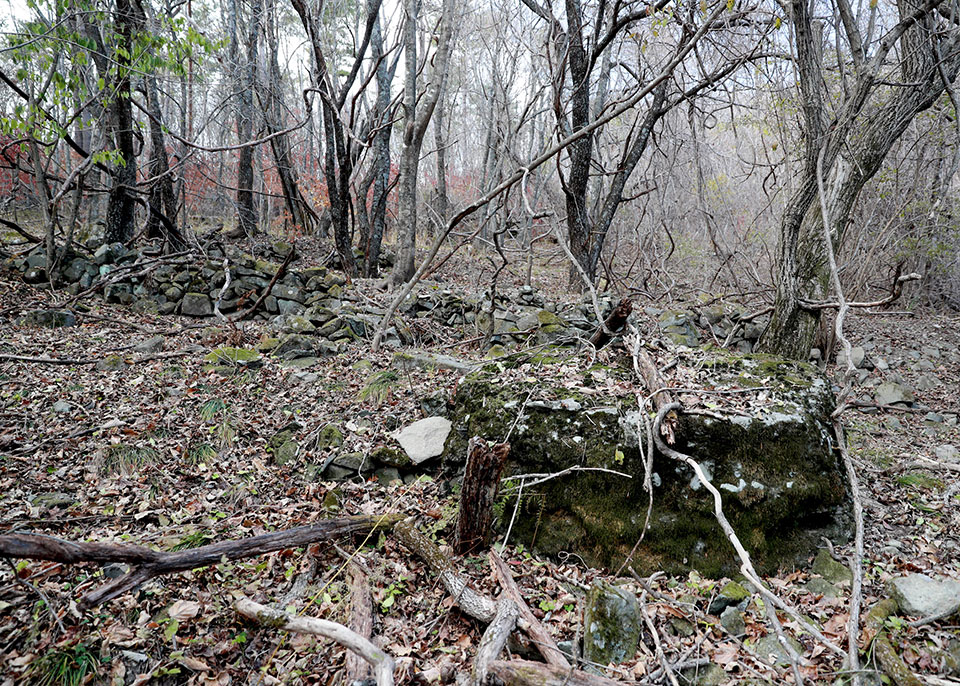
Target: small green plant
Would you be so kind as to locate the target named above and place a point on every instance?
(391, 592)
(121, 458)
(210, 409)
(193, 540)
(63, 666)
(895, 623)
(379, 387)
(201, 453)
(547, 605)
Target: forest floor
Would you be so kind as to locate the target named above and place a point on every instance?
(166, 454)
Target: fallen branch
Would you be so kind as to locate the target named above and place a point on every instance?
(892, 664)
(147, 563)
(47, 360)
(361, 623)
(381, 662)
(494, 639)
(538, 634)
(475, 604)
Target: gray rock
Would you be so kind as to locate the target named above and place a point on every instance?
(424, 439)
(295, 345)
(947, 453)
(611, 623)
(921, 596)
(387, 474)
(111, 363)
(357, 463)
(62, 406)
(731, 594)
(416, 359)
(818, 586)
(830, 569)
(892, 393)
(706, 675)
(196, 305)
(53, 499)
(731, 619)
(926, 382)
(769, 648)
(109, 253)
(151, 345)
(77, 268)
(49, 319)
(857, 356)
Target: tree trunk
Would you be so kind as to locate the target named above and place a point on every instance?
(120, 205)
(246, 202)
(415, 125)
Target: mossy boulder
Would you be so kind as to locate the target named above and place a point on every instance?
(782, 486)
(611, 621)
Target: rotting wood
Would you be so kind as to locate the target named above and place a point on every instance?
(481, 480)
(527, 673)
(356, 667)
(381, 661)
(494, 639)
(614, 323)
(147, 563)
(538, 634)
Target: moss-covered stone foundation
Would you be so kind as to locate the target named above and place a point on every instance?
(771, 457)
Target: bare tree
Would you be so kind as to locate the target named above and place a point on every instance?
(845, 144)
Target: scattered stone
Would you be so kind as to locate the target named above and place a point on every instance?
(947, 453)
(926, 382)
(857, 356)
(769, 648)
(154, 344)
(356, 463)
(111, 363)
(612, 621)
(921, 596)
(818, 586)
(706, 675)
(416, 359)
(62, 407)
(391, 457)
(731, 619)
(731, 594)
(892, 393)
(53, 499)
(49, 319)
(830, 569)
(387, 475)
(329, 436)
(196, 305)
(682, 627)
(234, 357)
(424, 439)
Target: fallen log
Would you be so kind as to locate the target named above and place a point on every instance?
(470, 601)
(147, 563)
(361, 623)
(494, 639)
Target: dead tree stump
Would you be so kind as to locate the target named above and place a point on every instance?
(481, 481)
(613, 324)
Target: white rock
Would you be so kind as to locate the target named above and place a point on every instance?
(921, 596)
(424, 439)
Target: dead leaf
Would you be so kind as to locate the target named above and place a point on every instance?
(183, 610)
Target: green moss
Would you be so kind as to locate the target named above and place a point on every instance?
(236, 356)
(779, 478)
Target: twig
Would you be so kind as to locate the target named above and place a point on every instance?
(382, 662)
(36, 589)
(656, 641)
